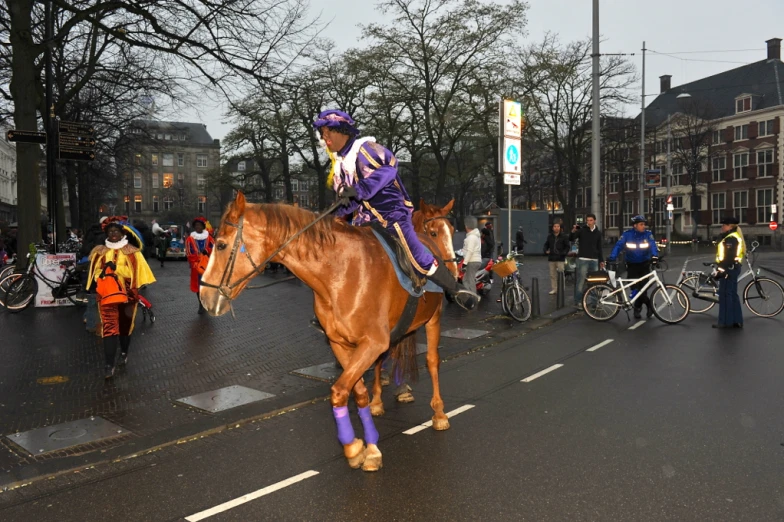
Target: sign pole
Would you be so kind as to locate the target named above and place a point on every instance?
(669, 170)
(510, 147)
(51, 173)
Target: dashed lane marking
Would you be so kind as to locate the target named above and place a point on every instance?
(603, 343)
(250, 496)
(425, 425)
(637, 325)
(543, 372)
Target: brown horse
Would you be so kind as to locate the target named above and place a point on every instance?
(357, 299)
(431, 221)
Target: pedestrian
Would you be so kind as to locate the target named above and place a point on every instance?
(93, 237)
(589, 254)
(520, 241)
(162, 241)
(198, 247)
(488, 242)
(472, 255)
(117, 272)
(640, 251)
(730, 251)
(556, 248)
(369, 188)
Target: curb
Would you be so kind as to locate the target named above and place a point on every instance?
(26, 475)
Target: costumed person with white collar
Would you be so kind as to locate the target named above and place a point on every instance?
(198, 247)
(117, 271)
(365, 177)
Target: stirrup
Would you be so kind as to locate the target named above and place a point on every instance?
(466, 299)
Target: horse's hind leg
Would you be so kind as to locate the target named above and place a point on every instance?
(433, 330)
(377, 404)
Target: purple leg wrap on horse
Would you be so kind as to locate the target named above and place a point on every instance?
(420, 256)
(371, 434)
(345, 429)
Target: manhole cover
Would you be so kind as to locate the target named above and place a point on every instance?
(66, 435)
(224, 398)
(464, 333)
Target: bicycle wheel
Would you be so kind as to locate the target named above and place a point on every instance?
(692, 284)
(20, 293)
(764, 297)
(599, 304)
(670, 304)
(518, 304)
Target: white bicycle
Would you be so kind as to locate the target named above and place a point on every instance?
(604, 300)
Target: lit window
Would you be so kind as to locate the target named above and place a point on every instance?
(137, 203)
(168, 160)
(127, 204)
(201, 160)
(168, 180)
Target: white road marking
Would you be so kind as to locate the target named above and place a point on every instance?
(543, 372)
(637, 325)
(425, 425)
(250, 496)
(603, 343)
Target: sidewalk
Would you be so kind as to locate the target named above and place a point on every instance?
(52, 371)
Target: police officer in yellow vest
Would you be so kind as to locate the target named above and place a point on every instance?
(729, 253)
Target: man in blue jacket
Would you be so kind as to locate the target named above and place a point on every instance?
(640, 250)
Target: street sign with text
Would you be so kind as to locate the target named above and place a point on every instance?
(75, 141)
(67, 140)
(511, 179)
(65, 153)
(23, 136)
(70, 127)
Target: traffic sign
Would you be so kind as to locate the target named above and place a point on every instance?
(512, 158)
(512, 116)
(23, 136)
(653, 178)
(68, 140)
(75, 141)
(70, 127)
(511, 179)
(65, 153)
(773, 225)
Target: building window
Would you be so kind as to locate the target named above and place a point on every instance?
(168, 202)
(160, 136)
(168, 137)
(741, 132)
(716, 137)
(200, 180)
(155, 180)
(183, 137)
(303, 185)
(740, 205)
(137, 180)
(743, 104)
(137, 203)
(765, 128)
(304, 201)
(127, 204)
(739, 164)
(677, 202)
(677, 174)
(294, 185)
(180, 159)
(764, 201)
(137, 159)
(202, 204)
(764, 163)
(180, 179)
(612, 218)
(628, 181)
(719, 164)
(718, 204)
(579, 199)
(201, 160)
(613, 183)
(278, 194)
(154, 159)
(627, 211)
(156, 204)
(168, 180)
(168, 160)
(660, 208)
(241, 165)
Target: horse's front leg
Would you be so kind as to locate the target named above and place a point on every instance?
(354, 365)
(377, 404)
(433, 330)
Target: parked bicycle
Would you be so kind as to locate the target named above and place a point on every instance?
(18, 290)
(514, 299)
(608, 295)
(763, 296)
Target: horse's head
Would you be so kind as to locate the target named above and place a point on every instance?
(239, 246)
(433, 221)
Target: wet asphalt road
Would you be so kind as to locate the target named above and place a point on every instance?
(663, 423)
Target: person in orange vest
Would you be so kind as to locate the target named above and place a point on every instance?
(198, 247)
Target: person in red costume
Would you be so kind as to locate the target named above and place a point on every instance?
(198, 247)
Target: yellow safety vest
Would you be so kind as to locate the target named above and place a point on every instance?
(740, 254)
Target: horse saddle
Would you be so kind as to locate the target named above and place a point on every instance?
(411, 280)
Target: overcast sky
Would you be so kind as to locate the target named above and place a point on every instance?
(667, 26)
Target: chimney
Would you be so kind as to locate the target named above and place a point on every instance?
(774, 49)
(664, 82)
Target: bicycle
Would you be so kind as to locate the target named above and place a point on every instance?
(19, 289)
(514, 299)
(661, 265)
(762, 291)
(604, 300)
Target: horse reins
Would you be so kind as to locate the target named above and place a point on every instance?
(225, 287)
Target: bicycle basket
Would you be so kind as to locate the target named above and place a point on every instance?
(505, 268)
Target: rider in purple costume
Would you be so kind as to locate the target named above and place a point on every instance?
(367, 180)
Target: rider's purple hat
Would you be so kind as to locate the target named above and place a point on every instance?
(335, 119)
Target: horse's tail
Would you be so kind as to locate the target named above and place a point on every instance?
(404, 360)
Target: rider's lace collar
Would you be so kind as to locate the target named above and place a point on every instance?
(200, 237)
(118, 245)
(348, 164)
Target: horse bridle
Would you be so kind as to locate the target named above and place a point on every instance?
(428, 220)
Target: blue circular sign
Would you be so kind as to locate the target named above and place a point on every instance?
(512, 155)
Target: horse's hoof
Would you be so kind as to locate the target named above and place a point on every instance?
(440, 423)
(377, 410)
(355, 453)
(372, 458)
(384, 379)
(405, 397)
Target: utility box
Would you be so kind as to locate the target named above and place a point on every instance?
(535, 225)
